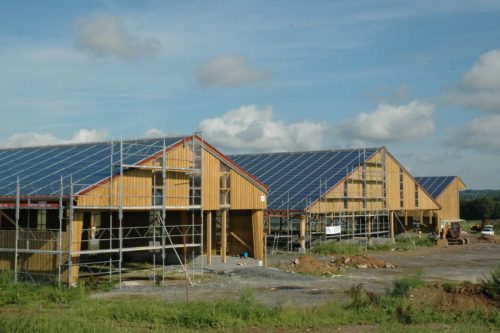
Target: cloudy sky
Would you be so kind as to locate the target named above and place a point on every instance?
(421, 77)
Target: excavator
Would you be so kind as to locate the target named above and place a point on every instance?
(451, 234)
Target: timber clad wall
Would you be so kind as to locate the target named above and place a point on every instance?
(393, 190)
(211, 182)
(137, 186)
(245, 195)
(374, 190)
(449, 200)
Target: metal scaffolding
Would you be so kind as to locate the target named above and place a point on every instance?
(97, 229)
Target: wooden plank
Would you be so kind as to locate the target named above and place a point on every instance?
(258, 233)
(241, 241)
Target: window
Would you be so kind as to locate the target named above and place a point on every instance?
(42, 220)
(225, 185)
(195, 188)
(401, 188)
(345, 195)
(416, 195)
(157, 189)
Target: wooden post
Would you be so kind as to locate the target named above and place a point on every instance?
(76, 244)
(406, 218)
(208, 246)
(438, 221)
(258, 234)
(223, 236)
(422, 218)
(303, 233)
(391, 224)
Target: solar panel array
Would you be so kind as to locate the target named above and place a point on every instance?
(40, 168)
(294, 178)
(435, 185)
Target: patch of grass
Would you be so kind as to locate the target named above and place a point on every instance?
(403, 286)
(51, 309)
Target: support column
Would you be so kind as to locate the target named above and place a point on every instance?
(422, 218)
(258, 234)
(391, 224)
(209, 238)
(303, 233)
(438, 221)
(406, 218)
(223, 236)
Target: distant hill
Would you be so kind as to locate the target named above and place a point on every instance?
(476, 194)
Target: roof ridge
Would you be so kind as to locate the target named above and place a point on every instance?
(138, 139)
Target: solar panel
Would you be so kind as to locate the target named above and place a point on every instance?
(40, 169)
(435, 185)
(294, 178)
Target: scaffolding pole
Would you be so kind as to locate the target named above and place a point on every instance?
(59, 242)
(18, 193)
(120, 216)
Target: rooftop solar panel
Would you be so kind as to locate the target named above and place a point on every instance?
(435, 185)
(294, 178)
(40, 169)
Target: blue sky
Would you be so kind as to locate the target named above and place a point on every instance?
(422, 78)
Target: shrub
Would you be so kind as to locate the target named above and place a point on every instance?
(359, 297)
(491, 285)
(402, 287)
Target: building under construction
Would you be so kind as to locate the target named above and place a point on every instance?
(338, 194)
(71, 211)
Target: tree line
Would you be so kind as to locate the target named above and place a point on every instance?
(478, 205)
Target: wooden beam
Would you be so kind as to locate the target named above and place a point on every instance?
(391, 223)
(303, 233)
(406, 218)
(209, 238)
(223, 233)
(422, 218)
(258, 234)
(242, 242)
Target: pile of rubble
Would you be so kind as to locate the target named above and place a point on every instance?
(332, 265)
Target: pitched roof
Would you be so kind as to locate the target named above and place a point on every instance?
(435, 185)
(294, 178)
(39, 169)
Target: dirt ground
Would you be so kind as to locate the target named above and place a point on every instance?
(285, 287)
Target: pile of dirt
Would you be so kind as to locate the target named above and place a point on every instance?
(332, 265)
(488, 239)
(463, 297)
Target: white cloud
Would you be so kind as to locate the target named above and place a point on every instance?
(480, 86)
(229, 71)
(42, 139)
(106, 35)
(389, 123)
(153, 133)
(482, 134)
(251, 129)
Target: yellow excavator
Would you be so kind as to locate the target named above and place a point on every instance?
(451, 234)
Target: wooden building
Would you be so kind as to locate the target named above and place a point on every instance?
(70, 211)
(446, 191)
(354, 193)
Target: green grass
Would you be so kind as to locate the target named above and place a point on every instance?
(33, 308)
(347, 249)
(403, 242)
